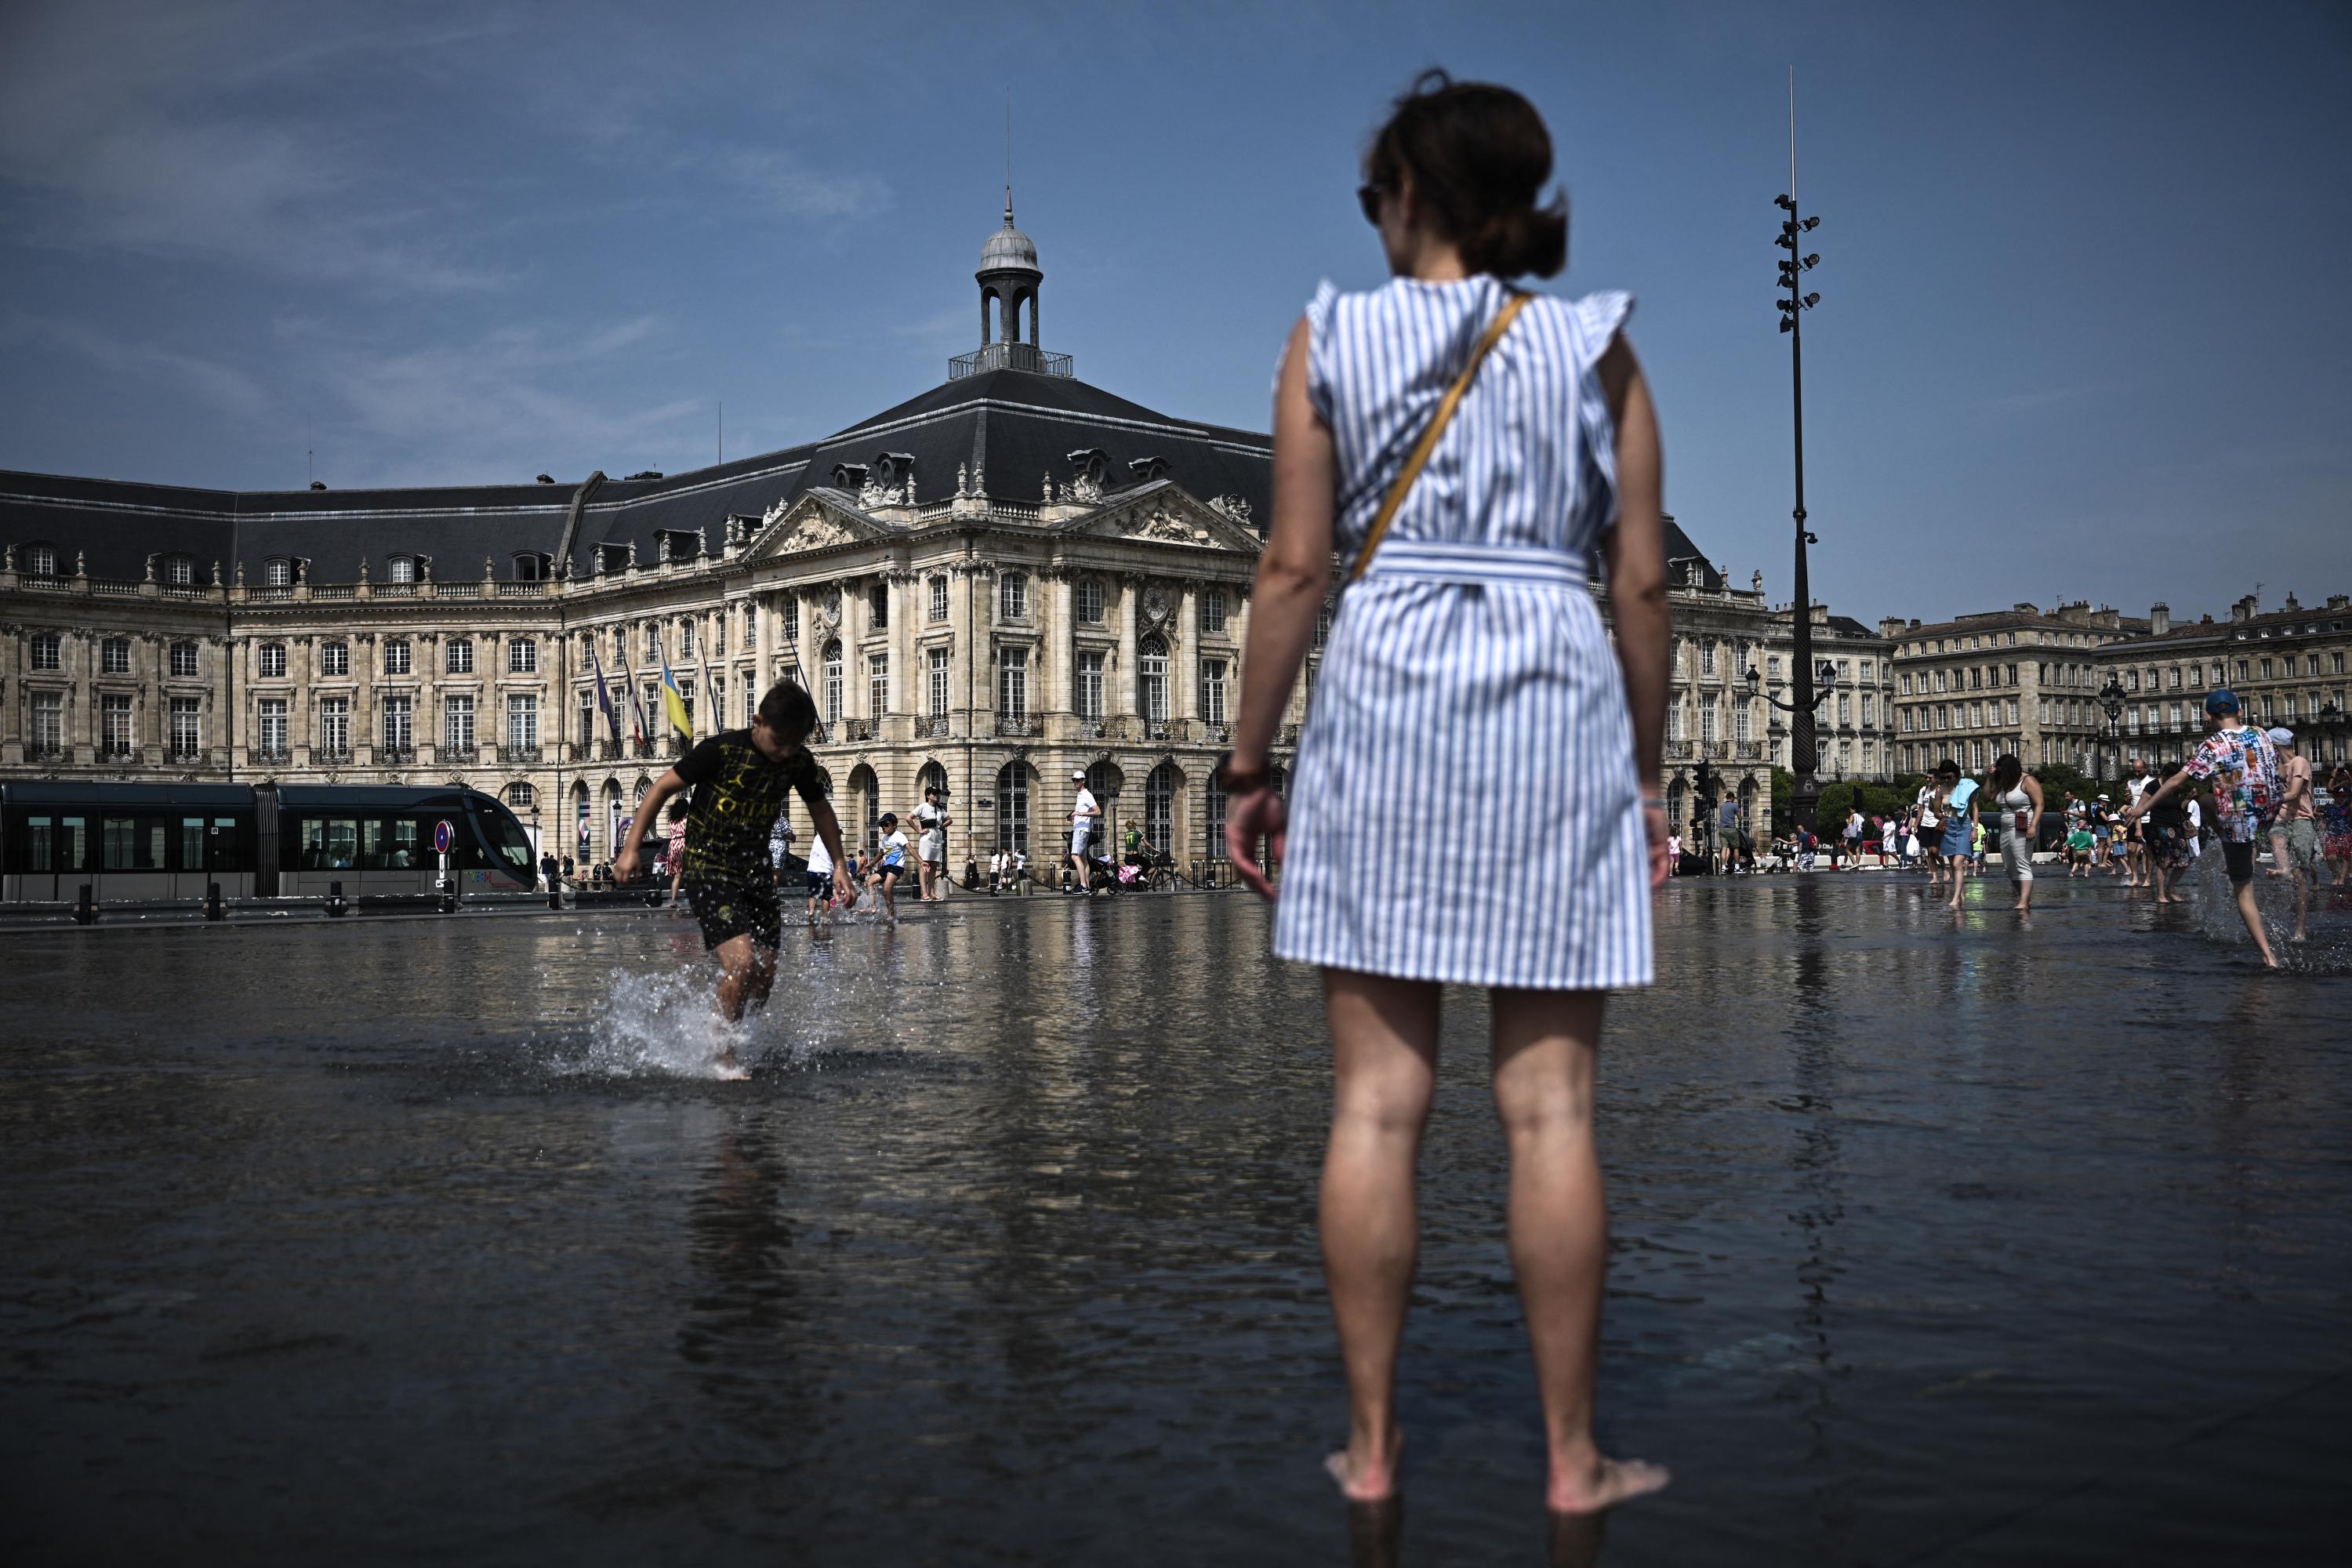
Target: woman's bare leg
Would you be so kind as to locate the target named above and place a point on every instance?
(1545, 1043)
(1384, 1054)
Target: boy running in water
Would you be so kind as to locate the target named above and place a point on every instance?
(892, 864)
(738, 778)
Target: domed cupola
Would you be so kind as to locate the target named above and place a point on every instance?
(1009, 278)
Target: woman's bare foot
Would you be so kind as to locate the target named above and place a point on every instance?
(1366, 1477)
(1606, 1485)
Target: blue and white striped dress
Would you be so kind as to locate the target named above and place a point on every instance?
(1465, 807)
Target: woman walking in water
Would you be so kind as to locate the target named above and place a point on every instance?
(2017, 795)
(1465, 447)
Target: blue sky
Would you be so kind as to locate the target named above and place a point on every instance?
(2085, 328)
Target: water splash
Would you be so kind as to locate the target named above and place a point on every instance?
(2328, 950)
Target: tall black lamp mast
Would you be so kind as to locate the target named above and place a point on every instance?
(1793, 268)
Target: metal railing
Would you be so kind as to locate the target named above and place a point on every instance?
(1010, 356)
(275, 756)
(1015, 724)
(457, 755)
(184, 754)
(396, 756)
(857, 728)
(117, 752)
(930, 726)
(37, 753)
(519, 756)
(331, 757)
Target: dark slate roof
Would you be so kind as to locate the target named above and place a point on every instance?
(1012, 427)
(1680, 552)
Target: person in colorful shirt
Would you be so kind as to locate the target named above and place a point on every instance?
(2242, 767)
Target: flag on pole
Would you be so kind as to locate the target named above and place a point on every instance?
(604, 695)
(636, 709)
(717, 707)
(674, 701)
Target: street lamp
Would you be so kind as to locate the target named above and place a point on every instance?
(2111, 703)
(1793, 267)
(1815, 684)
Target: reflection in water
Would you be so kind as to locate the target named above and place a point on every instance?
(1007, 1250)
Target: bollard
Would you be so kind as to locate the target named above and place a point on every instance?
(212, 911)
(85, 908)
(335, 903)
(555, 898)
(448, 898)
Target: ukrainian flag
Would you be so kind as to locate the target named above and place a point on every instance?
(672, 703)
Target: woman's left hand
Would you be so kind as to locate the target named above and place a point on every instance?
(1654, 819)
(1260, 814)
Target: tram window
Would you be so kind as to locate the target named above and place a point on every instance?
(192, 844)
(388, 844)
(68, 843)
(134, 843)
(211, 845)
(330, 844)
(404, 842)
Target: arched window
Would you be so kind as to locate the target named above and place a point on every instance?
(1090, 600)
(1159, 808)
(521, 796)
(833, 682)
(1152, 668)
(38, 560)
(1013, 807)
(932, 776)
(1106, 779)
(278, 571)
(402, 568)
(532, 567)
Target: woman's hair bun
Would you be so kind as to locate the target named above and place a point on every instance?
(1479, 155)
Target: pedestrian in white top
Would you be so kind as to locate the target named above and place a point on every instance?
(932, 847)
(1470, 632)
(1083, 814)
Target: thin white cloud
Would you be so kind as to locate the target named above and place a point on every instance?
(221, 389)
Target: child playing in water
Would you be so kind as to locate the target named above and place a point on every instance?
(891, 867)
(738, 778)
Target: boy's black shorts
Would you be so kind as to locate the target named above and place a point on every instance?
(728, 909)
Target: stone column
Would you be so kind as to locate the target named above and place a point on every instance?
(1131, 697)
(1187, 651)
(1058, 643)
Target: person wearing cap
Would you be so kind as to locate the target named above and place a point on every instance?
(1083, 814)
(2295, 836)
(2243, 767)
(931, 846)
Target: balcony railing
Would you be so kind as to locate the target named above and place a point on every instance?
(1015, 724)
(1216, 733)
(396, 756)
(1009, 356)
(930, 726)
(272, 756)
(458, 753)
(1158, 729)
(117, 752)
(178, 753)
(857, 728)
(45, 752)
(330, 756)
(519, 756)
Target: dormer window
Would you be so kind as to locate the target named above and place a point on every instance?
(533, 567)
(401, 569)
(1146, 469)
(611, 558)
(278, 571)
(40, 560)
(677, 545)
(180, 571)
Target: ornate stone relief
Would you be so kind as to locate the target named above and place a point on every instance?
(1232, 508)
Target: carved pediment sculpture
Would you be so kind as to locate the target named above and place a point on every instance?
(816, 531)
(1160, 525)
(1232, 508)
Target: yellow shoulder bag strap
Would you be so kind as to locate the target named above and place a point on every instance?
(1437, 424)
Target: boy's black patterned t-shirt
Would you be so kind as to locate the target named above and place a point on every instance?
(738, 793)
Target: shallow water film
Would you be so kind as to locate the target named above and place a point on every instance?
(1937, 1239)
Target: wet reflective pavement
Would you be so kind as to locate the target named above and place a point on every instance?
(1936, 1240)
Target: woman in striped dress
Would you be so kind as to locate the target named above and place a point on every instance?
(1471, 715)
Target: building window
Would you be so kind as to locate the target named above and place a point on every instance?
(1845, 710)
(1706, 657)
(186, 736)
(1090, 600)
(1213, 799)
(792, 613)
(458, 724)
(587, 728)
(396, 657)
(1012, 596)
(1012, 671)
(751, 628)
(937, 682)
(1865, 710)
(1159, 808)
(1090, 685)
(278, 571)
(833, 682)
(530, 567)
(114, 725)
(1213, 691)
(399, 730)
(114, 657)
(184, 660)
(335, 726)
(686, 639)
(522, 719)
(1151, 668)
(461, 655)
(273, 661)
(878, 684)
(40, 561)
(49, 721)
(522, 657)
(401, 569)
(334, 658)
(180, 571)
(47, 650)
(1013, 807)
(1739, 723)
(522, 797)
(271, 727)
(939, 598)
(1213, 610)
(1322, 626)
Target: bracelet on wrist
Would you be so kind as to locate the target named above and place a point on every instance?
(1238, 781)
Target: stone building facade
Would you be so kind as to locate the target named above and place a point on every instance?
(2288, 666)
(2024, 679)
